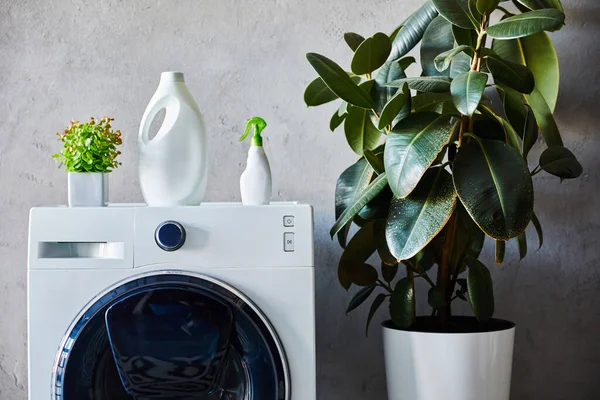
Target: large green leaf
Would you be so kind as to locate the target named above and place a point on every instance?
(438, 38)
(349, 185)
(362, 198)
(443, 60)
(467, 90)
(412, 147)
(425, 101)
(465, 37)
(527, 24)
(387, 259)
(374, 307)
(559, 161)
(402, 304)
(481, 290)
(457, 12)
(318, 93)
(512, 138)
(359, 249)
(544, 118)
(521, 117)
(394, 106)
(371, 54)
(468, 240)
(433, 84)
(540, 4)
(390, 71)
(513, 75)
(353, 40)
(339, 82)
(336, 120)
(412, 30)
(530, 132)
(494, 184)
(486, 6)
(361, 134)
(538, 54)
(416, 219)
(360, 297)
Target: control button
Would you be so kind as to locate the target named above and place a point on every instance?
(288, 221)
(288, 241)
(170, 235)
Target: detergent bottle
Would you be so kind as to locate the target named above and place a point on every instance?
(173, 164)
(255, 182)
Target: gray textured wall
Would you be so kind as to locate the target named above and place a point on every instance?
(66, 59)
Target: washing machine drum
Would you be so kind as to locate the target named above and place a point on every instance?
(172, 336)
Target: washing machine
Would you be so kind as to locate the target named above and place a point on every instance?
(208, 302)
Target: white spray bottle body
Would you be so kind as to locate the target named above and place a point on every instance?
(255, 182)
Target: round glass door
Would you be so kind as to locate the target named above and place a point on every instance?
(172, 336)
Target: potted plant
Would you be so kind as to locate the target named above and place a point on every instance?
(443, 164)
(89, 153)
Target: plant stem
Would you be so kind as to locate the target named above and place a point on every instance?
(444, 275)
(421, 272)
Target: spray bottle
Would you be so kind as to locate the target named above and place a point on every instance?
(255, 182)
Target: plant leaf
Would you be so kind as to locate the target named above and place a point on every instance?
(357, 252)
(538, 229)
(434, 84)
(538, 53)
(416, 219)
(390, 71)
(412, 147)
(318, 93)
(402, 304)
(435, 298)
(486, 6)
(336, 120)
(527, 24)
(438, 38)
(349, 185)
(371, 54)
(353, 40)
(494, 184)
(465, 37)
(510, 134)
(467, 90)
(387, 258)
(360, 132)
(406, 62)
(559, 161)
(389, 271)
(544, 118)
(540, 4)
(513, 75)
(394, 106)
(443, 60)
(530, 132)
(457, 12)
(412, 30)
(362, 198)
(339, 82)
(374, 307)
(375, 159)
(360, 297)
(481, 290)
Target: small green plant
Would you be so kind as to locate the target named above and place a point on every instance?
(89, 147)
(443, 156)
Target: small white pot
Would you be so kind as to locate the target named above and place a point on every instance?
(448, 366)
(87, 189)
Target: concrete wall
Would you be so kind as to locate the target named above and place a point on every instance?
(67, 59)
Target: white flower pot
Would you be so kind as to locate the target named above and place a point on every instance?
(449, 366)
(87, 189)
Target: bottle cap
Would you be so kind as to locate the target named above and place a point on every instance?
(259, 124)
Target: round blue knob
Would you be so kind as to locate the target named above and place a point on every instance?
(170, 235)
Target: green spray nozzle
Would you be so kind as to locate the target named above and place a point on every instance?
(259, 124)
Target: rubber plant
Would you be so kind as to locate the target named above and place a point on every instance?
(90, 146)
(440, 166)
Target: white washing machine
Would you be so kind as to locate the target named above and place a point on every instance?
(208, 302)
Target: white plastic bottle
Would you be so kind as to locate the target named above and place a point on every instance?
(255, 182)
(173, 164)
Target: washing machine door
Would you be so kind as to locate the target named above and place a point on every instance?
(171, 335)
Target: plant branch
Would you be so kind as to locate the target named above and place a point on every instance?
(421, 272)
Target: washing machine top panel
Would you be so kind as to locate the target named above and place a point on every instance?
(171, 335)
(214, 234)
